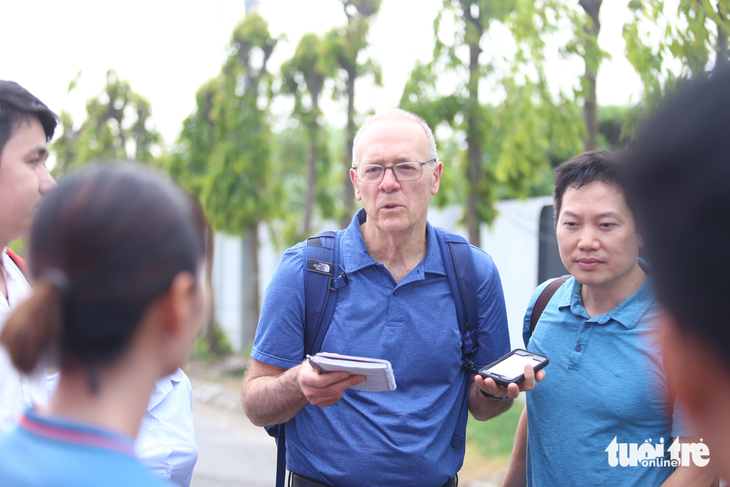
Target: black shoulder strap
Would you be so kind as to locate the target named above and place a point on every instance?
(320, 287)
(543, 299)
(456, 253)
(320, 294)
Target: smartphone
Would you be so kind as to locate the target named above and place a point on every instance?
(510, 369)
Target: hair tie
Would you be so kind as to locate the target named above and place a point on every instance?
(58, 279)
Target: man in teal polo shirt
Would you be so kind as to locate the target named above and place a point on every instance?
(397, 306)
(603, 415)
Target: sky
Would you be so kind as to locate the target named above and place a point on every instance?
(166, 49)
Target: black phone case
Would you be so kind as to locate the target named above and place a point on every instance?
(484, 372)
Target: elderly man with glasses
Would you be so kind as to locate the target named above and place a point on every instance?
(397, 306)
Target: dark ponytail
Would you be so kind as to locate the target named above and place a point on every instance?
(32, 329)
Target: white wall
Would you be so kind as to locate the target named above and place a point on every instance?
(227, 286)
(512, 241)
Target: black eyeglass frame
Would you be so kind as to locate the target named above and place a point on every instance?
(392, 168)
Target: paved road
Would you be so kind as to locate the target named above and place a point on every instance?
(231, 451)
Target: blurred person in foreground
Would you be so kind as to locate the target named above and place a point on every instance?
(679, 184)
(117, 254)
(166, 441)
(397, 306)
(26, 127)
(605, 394)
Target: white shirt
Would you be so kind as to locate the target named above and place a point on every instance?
(166, 441)
(17, 391)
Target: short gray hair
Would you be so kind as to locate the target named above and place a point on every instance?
(396, 114)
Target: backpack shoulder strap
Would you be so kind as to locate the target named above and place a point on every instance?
(456, 253)
(320, 294)
(322, 280)
(543, 299)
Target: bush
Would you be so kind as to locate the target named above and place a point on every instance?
(202, 350)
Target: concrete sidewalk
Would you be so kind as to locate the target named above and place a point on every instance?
(232, 452)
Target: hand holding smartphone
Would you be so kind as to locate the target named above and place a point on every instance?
(510, 369)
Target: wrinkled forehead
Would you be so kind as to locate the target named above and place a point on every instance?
(392, 140)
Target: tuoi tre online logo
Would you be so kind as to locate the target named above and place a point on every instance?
(649, 454)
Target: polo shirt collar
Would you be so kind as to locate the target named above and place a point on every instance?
(628, 313)
(355, 254)
(77, 433)
(9, 266)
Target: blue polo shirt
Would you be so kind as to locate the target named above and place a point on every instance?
(605, 380)
(395, 438)
(42, 451)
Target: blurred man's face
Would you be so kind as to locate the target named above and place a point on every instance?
(396, 206)
(23, 178)
(597, 236)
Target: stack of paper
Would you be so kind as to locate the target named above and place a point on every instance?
(379, 372)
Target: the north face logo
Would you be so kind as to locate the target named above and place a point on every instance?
(322, 267)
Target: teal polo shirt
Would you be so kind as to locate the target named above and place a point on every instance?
(605, 380)
(394, 438)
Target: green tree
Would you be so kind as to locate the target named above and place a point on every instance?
(655, 43)
(506, 144)
(346, 45)
(290, 150)
(304, 77)
(224, 150)
(115, 129)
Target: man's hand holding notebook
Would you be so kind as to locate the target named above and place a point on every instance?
(379, 372)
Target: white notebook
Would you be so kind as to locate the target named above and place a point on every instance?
(379, 372)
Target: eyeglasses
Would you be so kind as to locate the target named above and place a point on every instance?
(403, 171)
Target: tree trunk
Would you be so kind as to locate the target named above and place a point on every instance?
(473, 174)
(250, 283)
(311, 180)
(209, 332)
(474, 169)
(590, 112)
(590, 106)
(348, 193)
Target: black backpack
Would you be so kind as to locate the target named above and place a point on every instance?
(324, 278)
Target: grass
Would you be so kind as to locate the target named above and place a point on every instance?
(201, 348)
(493, 439)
